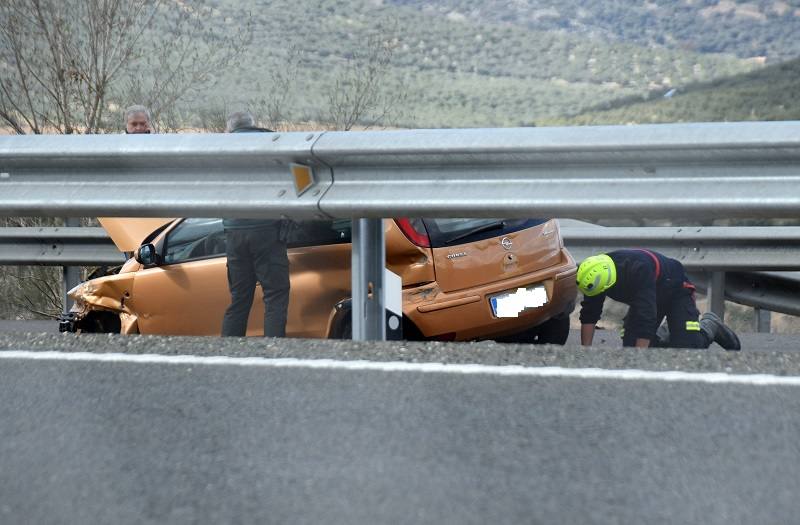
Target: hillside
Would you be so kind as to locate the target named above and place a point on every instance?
(456, 70)
(759, 28)
(436, 63)
(772, 93)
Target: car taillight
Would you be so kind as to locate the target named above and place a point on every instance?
(415, 231)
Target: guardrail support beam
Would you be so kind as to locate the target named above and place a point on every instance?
(716, 293)
(71, 274)
(762, 321)
(368, 262)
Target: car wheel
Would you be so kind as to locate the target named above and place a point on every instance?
(347, 328)
(100, 323)
(554, 331)
(410, 331)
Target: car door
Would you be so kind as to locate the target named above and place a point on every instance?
(187, 294)
(319, 268)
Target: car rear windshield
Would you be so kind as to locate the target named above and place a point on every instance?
(450, 232)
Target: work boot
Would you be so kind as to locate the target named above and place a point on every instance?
(717, 331)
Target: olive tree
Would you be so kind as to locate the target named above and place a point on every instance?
(361, 93)
(70, 66)
(66, 64)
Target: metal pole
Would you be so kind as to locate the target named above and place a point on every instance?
(716, 293)
(762, 321)
(368, 262)
(71, 275)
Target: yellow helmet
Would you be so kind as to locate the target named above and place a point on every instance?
(596, 274)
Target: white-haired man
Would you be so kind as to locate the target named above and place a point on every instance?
(137, 120)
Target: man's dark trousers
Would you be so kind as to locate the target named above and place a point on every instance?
(257, 255)
(680, 309)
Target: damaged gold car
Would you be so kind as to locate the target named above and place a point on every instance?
(462, 279)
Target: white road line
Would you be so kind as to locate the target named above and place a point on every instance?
(398, 366)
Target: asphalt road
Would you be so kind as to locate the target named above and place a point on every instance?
(604, 339)
(194, 440)
(34, 327)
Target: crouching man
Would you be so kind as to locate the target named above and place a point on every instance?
(654, 286)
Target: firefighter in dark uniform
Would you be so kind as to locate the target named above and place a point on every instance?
(653, 286)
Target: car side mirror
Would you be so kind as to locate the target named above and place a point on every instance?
(146, 254)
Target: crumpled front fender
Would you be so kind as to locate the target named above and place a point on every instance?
(109, 294)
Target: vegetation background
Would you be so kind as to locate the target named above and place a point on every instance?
(339, 64)
(476, 63)
(445, 63)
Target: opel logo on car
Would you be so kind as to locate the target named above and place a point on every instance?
(506, 243)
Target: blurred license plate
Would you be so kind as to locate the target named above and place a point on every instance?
(511, 304)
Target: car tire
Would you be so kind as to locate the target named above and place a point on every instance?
(554, 331)
(410, 331)
(347, 328)
(100, 323)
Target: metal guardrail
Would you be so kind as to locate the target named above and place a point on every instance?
(699, 171)
(734, 250)
(673, 170)
(720, 260)
(698, 248)
(69, 246)
(771, 291)
(749, 169)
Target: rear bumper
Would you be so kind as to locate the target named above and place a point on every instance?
(467, 314)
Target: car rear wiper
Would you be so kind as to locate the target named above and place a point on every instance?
(499, 225)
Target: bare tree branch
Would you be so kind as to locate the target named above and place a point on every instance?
(64, 61)
(358, 95)
(271, 110)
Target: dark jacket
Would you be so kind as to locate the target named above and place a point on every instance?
(251, 224)
(646, 280)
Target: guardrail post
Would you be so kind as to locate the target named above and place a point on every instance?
(368, 262)
(762, 321)
(70, 274)
(716, 293)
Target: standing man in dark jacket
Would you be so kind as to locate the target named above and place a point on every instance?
(256, 250)
(654, 286)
